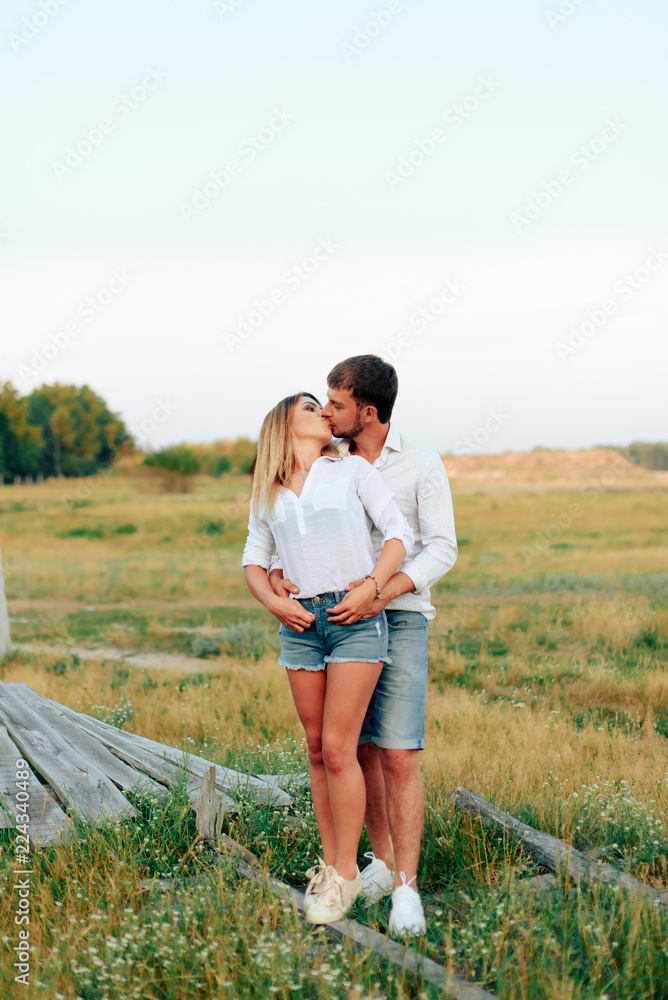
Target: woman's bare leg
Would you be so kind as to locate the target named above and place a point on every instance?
(348, 692)
(308, 690)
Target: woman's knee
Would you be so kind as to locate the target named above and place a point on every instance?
(337, 755)
(314, 747)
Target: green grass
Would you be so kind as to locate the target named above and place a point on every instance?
(548, 695)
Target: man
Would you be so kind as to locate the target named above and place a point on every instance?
(361, 393)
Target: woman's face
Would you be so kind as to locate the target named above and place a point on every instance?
(308, 422)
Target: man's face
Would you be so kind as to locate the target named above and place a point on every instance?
(342, 413)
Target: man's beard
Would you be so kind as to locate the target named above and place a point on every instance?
(356, 429)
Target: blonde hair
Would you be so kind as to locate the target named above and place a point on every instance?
(275, 461)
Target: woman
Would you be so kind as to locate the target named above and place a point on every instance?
(312, 505)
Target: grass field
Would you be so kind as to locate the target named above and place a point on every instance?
(548, 695)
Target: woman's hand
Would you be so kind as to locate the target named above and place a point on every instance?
(291, 613)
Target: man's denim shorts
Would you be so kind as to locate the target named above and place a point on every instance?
(396, 713)
(326, 642)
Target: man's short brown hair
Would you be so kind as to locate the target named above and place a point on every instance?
(370, 380)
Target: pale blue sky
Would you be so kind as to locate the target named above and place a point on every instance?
(324, 176)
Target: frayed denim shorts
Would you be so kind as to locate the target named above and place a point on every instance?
(326, 642)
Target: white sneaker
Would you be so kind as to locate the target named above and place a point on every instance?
(320, 876)
(406, 915)
(333, 902)
(377, 880)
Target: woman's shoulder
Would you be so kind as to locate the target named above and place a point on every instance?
(353, 466)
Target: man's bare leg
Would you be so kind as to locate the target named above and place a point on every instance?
(405, 808)
(377, 824)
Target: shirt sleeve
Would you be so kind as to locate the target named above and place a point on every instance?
(259, 543)
(383, 509)
(275, 563)
(436, 520)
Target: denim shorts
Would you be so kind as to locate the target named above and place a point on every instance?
(326, 642)
(396, 713)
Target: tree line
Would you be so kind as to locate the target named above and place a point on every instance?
(68, 430)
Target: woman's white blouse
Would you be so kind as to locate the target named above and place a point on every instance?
(323, 536)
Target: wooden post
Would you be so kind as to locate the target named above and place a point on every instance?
(5, 637)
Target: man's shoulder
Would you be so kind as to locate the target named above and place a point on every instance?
(416, 454)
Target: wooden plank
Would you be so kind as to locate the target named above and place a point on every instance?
(82, 785)
(94, 751)
(47, 821)
(553, 853)
(285, 781)
(365, 939)
(226, 779)
(123, 744)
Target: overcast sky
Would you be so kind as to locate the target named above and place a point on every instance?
(208, 204)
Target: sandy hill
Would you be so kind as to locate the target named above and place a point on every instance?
(543, 467)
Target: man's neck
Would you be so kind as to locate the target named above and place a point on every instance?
(369, 443)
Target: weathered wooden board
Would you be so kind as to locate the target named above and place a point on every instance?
(226, 779)
(76, 781)
(163, 769)
(285, 781)
(365, 939)
(47, 821)
(553, 853)
(92, 749)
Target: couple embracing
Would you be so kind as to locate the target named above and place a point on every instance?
(345, 538)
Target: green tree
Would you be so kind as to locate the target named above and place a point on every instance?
(175, 465)
(651, 455)
(242, 454)
(20, 444)
(80, 434)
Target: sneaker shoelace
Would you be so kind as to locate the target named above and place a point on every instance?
(404, 883)
(319, 876)
(332, 894)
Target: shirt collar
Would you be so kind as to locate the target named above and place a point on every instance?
(392, 443)
(393, 439)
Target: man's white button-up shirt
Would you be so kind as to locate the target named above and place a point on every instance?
(419, 482)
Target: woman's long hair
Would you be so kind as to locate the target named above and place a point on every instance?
(275, 461)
